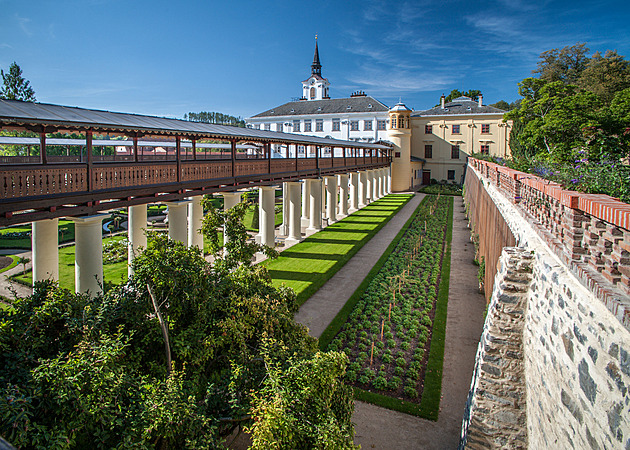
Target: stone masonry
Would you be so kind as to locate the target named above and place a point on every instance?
(496, 408)
(576, 340)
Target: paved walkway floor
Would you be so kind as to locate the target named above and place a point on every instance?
(319, 310)
(9, 288)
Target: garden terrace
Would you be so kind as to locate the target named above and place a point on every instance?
(394, 327)
(306, 266)
(198, 158)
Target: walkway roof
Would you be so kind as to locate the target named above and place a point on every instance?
(30, 115)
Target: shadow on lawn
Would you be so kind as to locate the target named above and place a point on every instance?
(285, 275)
(317, 256)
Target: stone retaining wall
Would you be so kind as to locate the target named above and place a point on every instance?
(495, 414)
(576, 341)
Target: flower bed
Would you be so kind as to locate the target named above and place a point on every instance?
(387, 335)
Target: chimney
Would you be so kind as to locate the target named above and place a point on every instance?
(442, 100)
(480, 100)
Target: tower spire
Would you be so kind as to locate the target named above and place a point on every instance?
(316, 67)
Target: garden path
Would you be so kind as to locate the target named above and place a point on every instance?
(319, 310)
(380, 428)
(7, 286)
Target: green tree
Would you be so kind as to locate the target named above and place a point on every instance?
(502, 104)
(565, 64)
(455, 93)
(605, 75)
(15, 86)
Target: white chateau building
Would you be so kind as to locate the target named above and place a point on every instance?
(357, 118)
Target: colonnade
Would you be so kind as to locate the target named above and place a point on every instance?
(309, 203)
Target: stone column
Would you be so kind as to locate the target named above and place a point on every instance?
(284, 228)
(343, 194)
(354, 191)
(230, 200)
(136, 226)
(381, 183)
(306, 202)
(389, 180)
(88, 259)
(331, 199)
(324, 199)
(45, 244)
(369, 176)
(195, 217)
(178, 221)
(295, 225)
(374, 185)
(267, 215)
(363, 189)
(315, 214)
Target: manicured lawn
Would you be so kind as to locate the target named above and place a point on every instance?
(393, 328)
(115, 273)
(14, 263)
(249, 217)
(305, 267)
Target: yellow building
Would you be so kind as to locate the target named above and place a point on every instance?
(441, 138)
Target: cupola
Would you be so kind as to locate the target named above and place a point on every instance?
(399, 117)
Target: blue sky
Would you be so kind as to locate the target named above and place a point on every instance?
(167, 58)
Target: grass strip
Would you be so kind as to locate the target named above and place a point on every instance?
(12, 265)
(429, 406)
(307, 266)
(430, 402)
(342, 316)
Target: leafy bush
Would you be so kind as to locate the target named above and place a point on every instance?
(380, 383)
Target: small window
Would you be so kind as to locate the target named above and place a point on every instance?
(307, 125)
(455, 152)
(485, 149)
(319, 125)
(381, 125)
(397, 154)
(451, 175)
(428, 129)
(394, 122)
(456, 129)
(296, 126)
(354, 125)
(428, 151)
(267, 127)
(312, 93)
(256, 126)
(336, 125)
(367, 125)
(279, 126)
(485, 128)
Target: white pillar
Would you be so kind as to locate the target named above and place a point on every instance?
(178, 221)
(230, 200)
(354, 191)
(374, 185)
(295, 226)
(284, 228)
(306, 202)
(370, 182)
(88, 258)
(331, 199)
(136, 224)
(388, 178)
(343, 194)
(45, 244)
(381, 183)
(267, 215)
(324, 198)
(315, 214)
(363, 188)
(195, 219)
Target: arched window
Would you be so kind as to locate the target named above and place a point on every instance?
(312, 93)
(394, 122)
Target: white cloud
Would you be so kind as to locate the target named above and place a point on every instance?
(387, 82)
(23, 23)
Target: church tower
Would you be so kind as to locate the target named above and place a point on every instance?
(315, 87)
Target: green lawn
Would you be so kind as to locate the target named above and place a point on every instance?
(249, 217)
(66, 234)
(13, 263)
(305, 267)
(114, 273)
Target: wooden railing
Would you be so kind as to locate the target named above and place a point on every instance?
(46, 187)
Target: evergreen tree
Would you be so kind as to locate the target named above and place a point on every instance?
(15, 86)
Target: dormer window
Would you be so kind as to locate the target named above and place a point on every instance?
(369, 105)
(349, 107)
(319, 109)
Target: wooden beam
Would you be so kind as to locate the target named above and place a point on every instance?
(88, 146)
(42, 146)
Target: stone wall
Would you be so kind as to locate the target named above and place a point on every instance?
(576, 336)
(495, 414)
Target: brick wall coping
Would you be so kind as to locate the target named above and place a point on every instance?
(601, 206)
